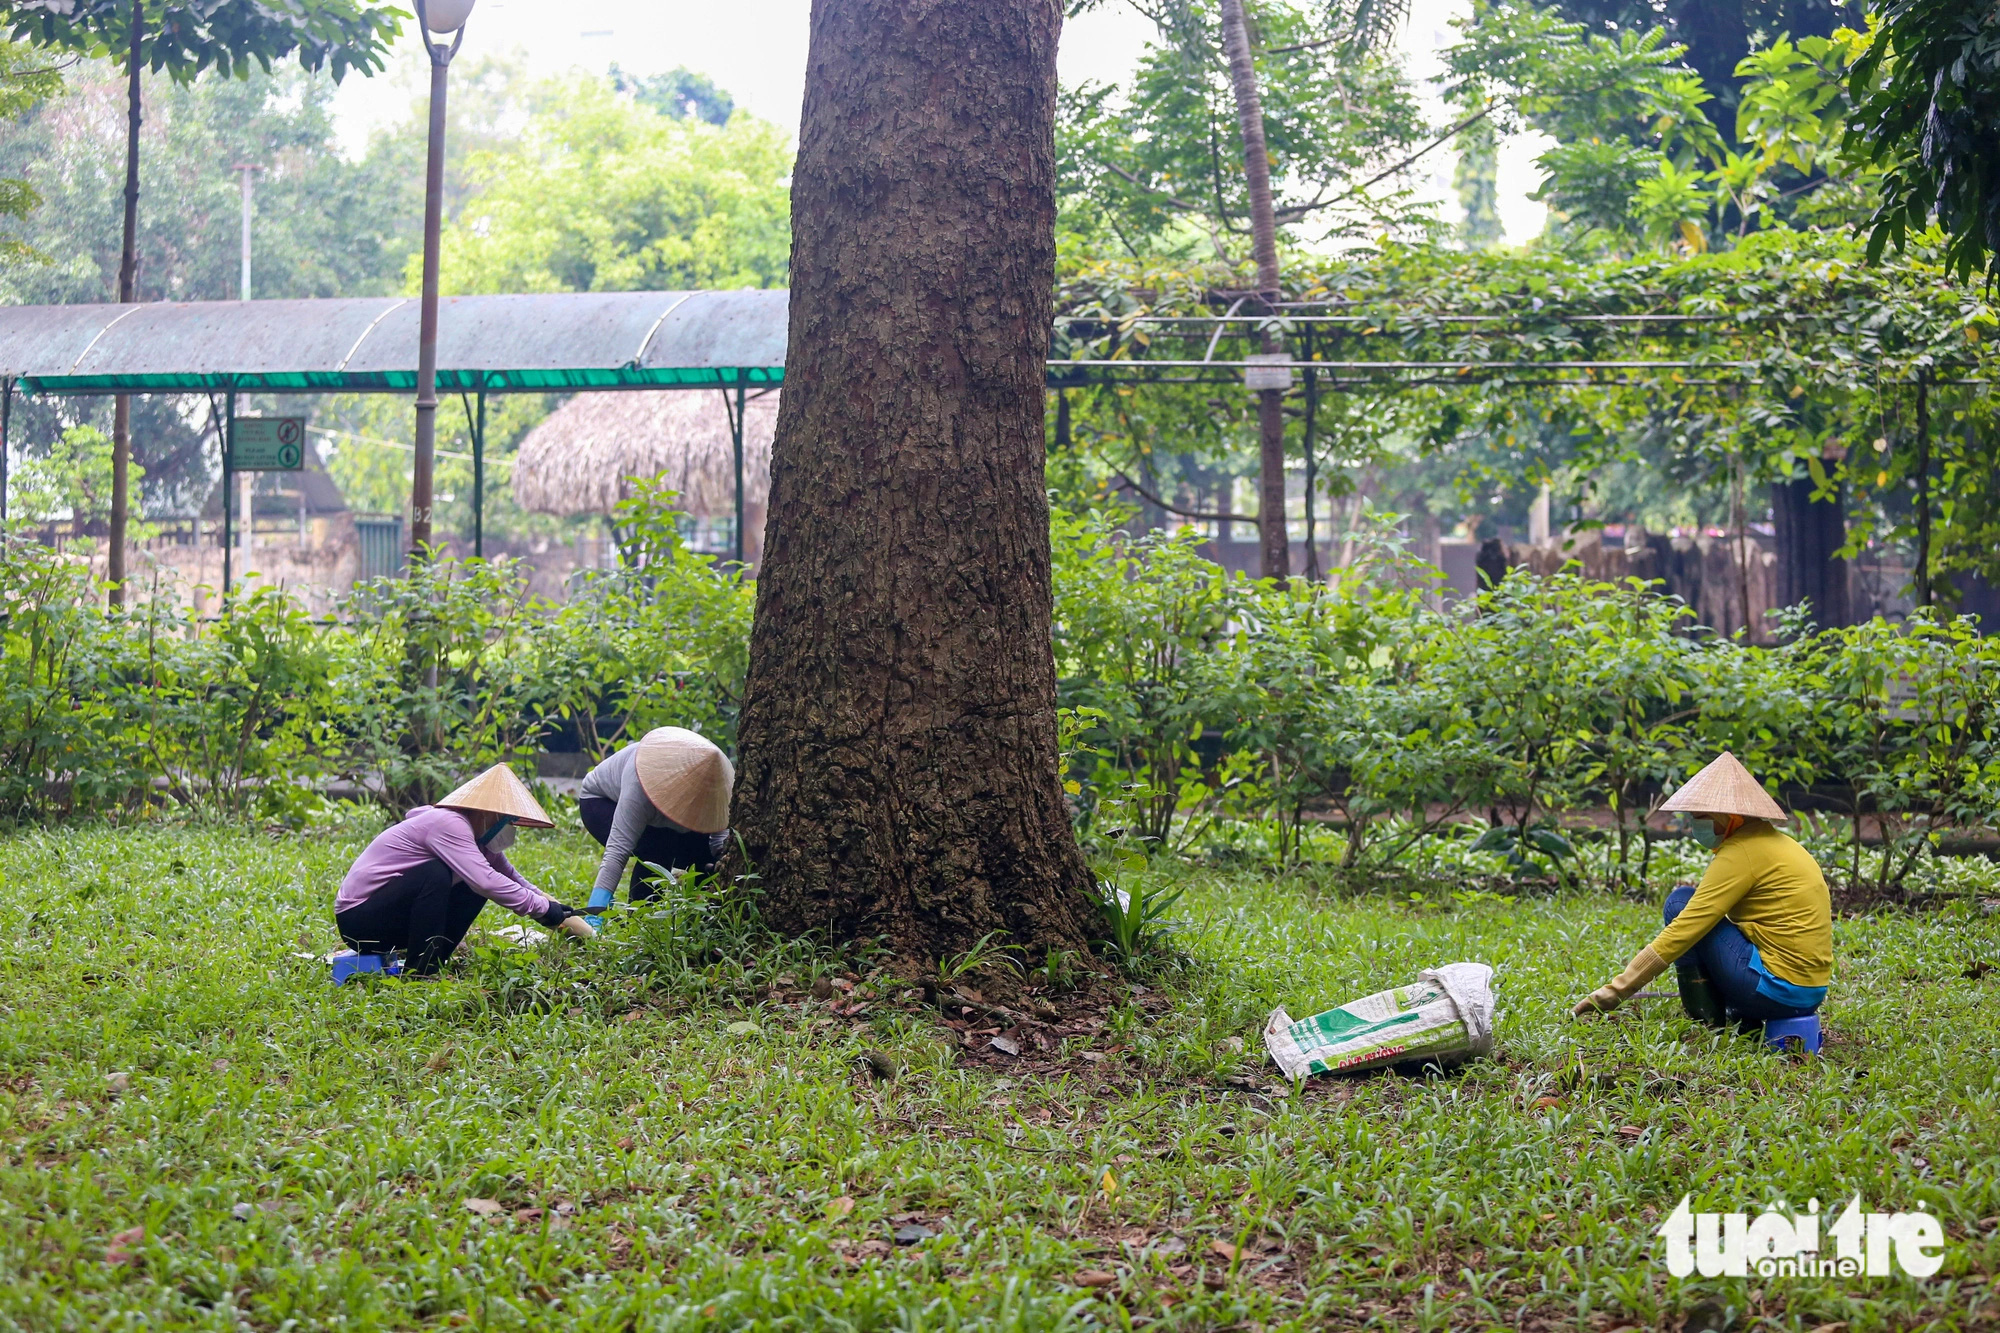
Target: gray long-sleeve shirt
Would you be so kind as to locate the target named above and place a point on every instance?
(617, 779)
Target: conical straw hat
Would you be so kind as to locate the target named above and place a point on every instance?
(1725, 787)
(687, 778)
(497, 791)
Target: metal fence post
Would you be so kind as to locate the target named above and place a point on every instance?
(479, 481)
(736, 433)
(6, 420)
(228, 485)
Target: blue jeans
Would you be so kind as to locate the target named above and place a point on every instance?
(1723, 955)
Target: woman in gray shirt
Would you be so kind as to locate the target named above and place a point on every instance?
(663, 800)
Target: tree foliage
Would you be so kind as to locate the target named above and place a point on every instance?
(181, 38)
(1145, 161)
(27, 77)
(1638, 161)
(602, 193)
(322, 225)
(1778, 353)
(1717, 35)
(680, 93)
(1928, 104)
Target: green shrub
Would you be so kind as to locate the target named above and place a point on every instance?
(1354, 722)
(66, 736)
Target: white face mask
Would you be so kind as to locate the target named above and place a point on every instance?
(502, 840)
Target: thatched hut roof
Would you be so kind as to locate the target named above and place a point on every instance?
(579, 459)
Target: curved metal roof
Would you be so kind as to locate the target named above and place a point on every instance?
(564, 340)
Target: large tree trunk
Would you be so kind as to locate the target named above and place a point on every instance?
(128, 279)
(1809, 535)
(897, 754)
(1273, 542)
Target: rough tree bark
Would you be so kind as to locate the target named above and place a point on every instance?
(128, 282)
(1273, 542)
(897, 765)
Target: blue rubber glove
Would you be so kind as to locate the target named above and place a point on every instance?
(594, 909)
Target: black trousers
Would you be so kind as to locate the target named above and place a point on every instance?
(663, 846)
(425, 912)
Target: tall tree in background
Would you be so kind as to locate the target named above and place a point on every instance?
(1149, 163)
(1273, 543)
(1350, 28)
(898, 772)
(183, 38)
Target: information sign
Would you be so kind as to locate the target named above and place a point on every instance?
(269, 444)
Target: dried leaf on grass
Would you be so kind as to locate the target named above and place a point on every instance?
(122, 1247)
(870, 1249)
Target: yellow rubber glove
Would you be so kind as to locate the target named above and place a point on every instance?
(578, 927)
(1642, 969)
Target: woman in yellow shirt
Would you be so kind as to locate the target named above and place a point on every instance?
(1753, 942)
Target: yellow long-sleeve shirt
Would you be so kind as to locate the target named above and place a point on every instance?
(1773, 890)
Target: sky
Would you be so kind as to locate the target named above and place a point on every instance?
(756, 49)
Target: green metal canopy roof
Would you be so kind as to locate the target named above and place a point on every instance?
(557, 341)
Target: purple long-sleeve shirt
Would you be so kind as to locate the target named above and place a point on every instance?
(429, 833)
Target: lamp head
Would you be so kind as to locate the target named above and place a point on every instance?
(446, 15)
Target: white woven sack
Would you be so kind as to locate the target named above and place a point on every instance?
(1445, 1016)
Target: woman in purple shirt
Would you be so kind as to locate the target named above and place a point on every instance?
(420, 883)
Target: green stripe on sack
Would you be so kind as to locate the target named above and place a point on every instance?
(1449, 1037)
(1337, 1027)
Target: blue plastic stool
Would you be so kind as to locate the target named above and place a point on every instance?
(1793, 1034)
(347, 965)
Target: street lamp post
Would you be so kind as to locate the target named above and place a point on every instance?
(246, 170)
(246, 482)
(436, 16)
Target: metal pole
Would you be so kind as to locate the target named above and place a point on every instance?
(1923, 488)
(736, 434)
(6, 420)
(1312, 465)
(479, 481)
(228, 477)
(246, 482)
(475, 425)
(246, 169)
(426, 440)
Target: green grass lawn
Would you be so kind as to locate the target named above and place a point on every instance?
(562, 1138)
